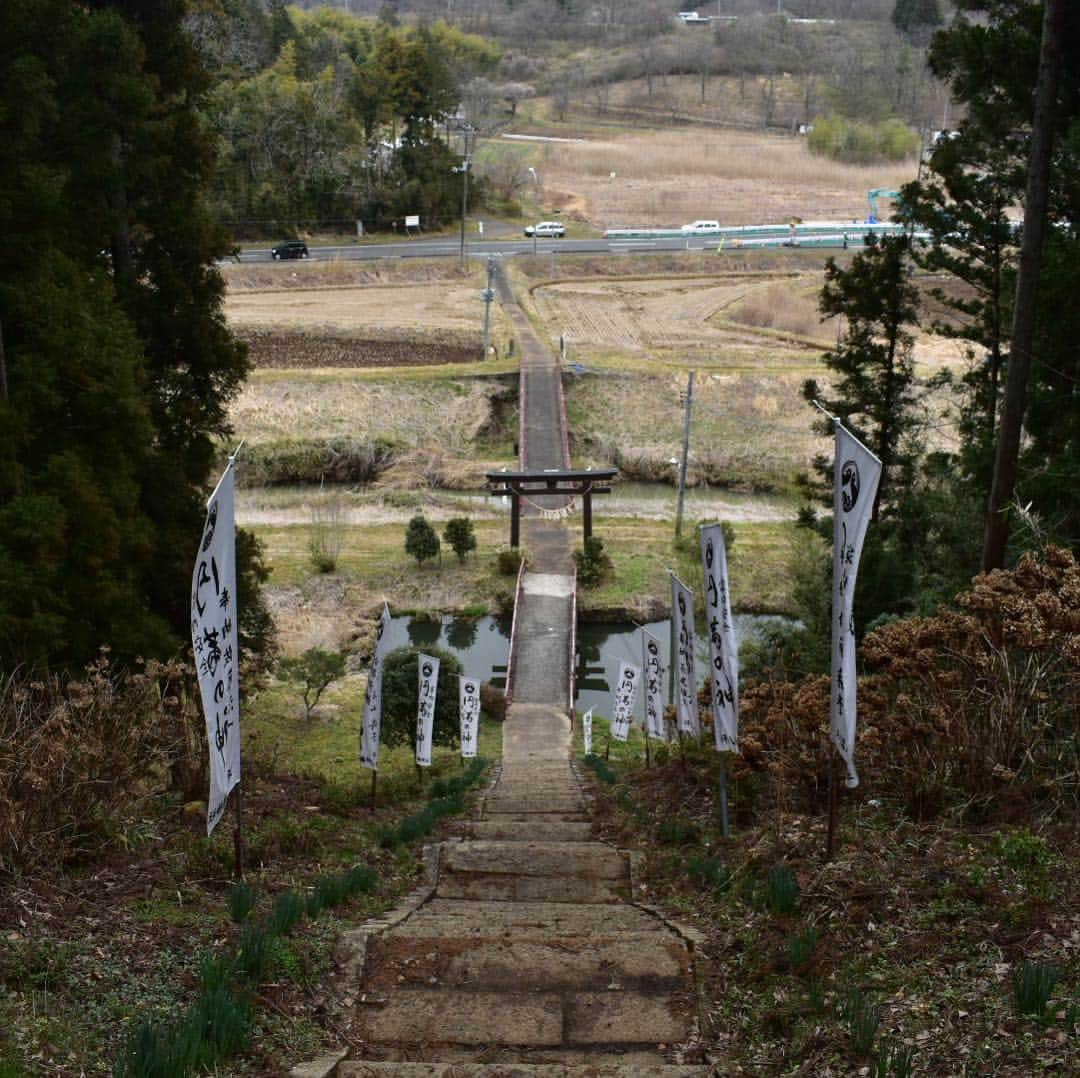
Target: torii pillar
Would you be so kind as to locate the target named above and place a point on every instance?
(568, 483)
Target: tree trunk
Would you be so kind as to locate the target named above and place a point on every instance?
(1023, 327)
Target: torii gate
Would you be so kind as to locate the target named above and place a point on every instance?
(551, 481)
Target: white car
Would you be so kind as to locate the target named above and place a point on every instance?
(546, 228)
(701, 227)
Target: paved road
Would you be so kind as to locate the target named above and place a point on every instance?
(823, 235)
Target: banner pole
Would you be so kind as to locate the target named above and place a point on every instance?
(238, 833)
(725, 830)
(374, 785)
(645, 695)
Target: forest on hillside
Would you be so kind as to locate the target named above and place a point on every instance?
(328, 116)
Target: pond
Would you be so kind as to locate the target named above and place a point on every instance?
(481, 645)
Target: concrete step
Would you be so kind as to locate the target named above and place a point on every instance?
(653, 960)
(572, 805)
(455, 1016)
(448, 917)
(470, 1069)
(533, 871)
(514, 830)
(585, 860)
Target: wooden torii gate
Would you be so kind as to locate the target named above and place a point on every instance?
(551, 481)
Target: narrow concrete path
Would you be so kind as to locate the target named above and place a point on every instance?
(526, 956)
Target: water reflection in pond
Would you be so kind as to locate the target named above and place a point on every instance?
(481, 645)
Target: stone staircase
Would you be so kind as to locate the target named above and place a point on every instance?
(526, 959)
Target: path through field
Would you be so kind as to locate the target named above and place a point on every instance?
(526, 956)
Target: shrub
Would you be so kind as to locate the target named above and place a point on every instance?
(593, 564)
(316, 670)
(400, 697)
(76, 756)
(327, 533)
(604, 771)
(801, 948)
(459, 534)
(781, 890)
(421, 542)
(860, 143)
(241, 901)
(966, 706)
(508, 562)
(862, 1017)
(287, 910)
(1033, 984)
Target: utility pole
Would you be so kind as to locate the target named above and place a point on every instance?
(467, 129)
(685, 454)
(489, 295)
(536, 190)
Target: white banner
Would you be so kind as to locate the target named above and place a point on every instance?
(586, 731)
(428, 675)
(469, 706)
(214, 639)
(371, 720)
(654, 687)
(682, 625)
(723, 644)
(625, 694)
(856, 472)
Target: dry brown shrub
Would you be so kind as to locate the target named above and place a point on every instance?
(782, 306)
(77, 757)
(977, 705)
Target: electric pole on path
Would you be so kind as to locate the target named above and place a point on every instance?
(489, 295)
(685, 455)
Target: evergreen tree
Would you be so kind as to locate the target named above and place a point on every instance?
(401, 697)
(421, 541)
(989, 57)
(875, 391)
(460, 535)
(916, 17)
(963, 205)
(119, 363)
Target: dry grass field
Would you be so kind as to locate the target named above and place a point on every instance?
(349, 297)
(662, 179)
(747, 321)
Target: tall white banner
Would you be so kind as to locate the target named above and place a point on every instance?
(723, 643)
(586, 731)
(654, 687)
(371, 721)
(856, 473)
(428, 675)
(469, 706)
(625, 694)
(682, 618)
(214, 639)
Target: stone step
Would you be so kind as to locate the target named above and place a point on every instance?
(655, 960)
(533, 871)
(360, 1069)
(448, 917)
(512, 830)
(538, 818)
(586, 860)
(566, 805)
(454, 1016)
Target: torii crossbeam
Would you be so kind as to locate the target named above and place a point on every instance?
(555, 481)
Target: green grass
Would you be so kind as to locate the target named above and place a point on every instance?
(329, 749)
(643, 552)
